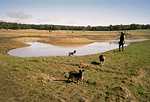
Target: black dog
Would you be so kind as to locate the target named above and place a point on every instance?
(72, 53)
(75, 76)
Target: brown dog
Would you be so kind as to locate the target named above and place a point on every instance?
(102, 59)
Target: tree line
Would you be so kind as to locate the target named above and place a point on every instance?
(8, 25)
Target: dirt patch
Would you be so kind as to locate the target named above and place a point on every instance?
(27, 39)
(41, 77)
(119, 94)
(3, 63)
(67, 41)
(56, 40)
(141, 73)
(138, 78)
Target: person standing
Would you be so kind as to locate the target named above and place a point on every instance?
(122, 42)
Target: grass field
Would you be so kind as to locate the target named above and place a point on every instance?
(125, 77)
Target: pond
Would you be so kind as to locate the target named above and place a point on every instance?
(37, 49)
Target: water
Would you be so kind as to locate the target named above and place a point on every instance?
(37, 49)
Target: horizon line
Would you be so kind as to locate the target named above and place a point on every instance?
(72, 25)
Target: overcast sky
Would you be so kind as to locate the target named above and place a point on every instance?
(76, 12)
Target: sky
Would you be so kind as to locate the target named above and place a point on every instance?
(76, 12)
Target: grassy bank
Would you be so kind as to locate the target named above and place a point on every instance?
(124, 77)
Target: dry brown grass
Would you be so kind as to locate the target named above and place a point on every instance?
(56, 37)
(61, 37)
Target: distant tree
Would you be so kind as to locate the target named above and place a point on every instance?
(88, 27)
(133, 27)
(110, 27)
(8, 25)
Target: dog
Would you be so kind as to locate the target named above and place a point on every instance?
(72, 53)
(75, 76)
(102, 59)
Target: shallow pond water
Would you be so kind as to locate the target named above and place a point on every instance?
(37, 49)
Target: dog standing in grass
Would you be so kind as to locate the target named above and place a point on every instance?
(102, 59)
(74, 76)
(72, 53)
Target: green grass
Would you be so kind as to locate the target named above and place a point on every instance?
(125, 75)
